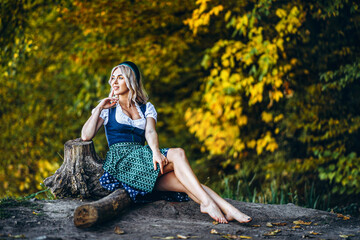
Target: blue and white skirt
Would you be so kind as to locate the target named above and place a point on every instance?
(114, 177)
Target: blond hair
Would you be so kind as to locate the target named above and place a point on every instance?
(137, 92)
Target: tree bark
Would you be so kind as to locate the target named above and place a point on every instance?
(78, 176)
(88, 215)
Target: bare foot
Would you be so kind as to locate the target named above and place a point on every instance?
(214, 212)
(235, 214)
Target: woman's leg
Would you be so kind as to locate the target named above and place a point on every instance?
(183, 172)
(169, 182)
(229, 210)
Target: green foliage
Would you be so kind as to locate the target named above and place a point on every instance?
(55, 67)
(280, 99)
(268, 88)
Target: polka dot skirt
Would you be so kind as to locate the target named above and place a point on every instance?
(110, 183)
(137, 196)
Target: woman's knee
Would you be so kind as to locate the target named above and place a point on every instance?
(177, 154)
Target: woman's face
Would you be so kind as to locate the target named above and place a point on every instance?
(118, 82)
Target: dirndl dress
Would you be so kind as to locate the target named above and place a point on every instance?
(129, 165)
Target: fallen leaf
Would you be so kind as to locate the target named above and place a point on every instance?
(18, 236)
(181, 236)
(35, 213)
(255, 225)
(268, 224)
(315, 224)
(230, 236)
(213, 231)
(215, 223)
(272, 233)
(300, 222)
(296, 226)
(169, 237)
(346, 236)
(118, 230)
(279, 224)
(245, 237)
(314, 233)
(339, 215)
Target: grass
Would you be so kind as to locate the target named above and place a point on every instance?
(9, 202)
(310, 197)
(13, 202)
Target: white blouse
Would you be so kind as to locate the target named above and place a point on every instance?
(122, 118)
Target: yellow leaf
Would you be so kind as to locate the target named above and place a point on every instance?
(279, 224)
(245, 237)
(272, 146)
(266, 117)
(224, 75)
(300, 222)
(278, 117)
(268, 224)
(346, 236)
(118, 230)
(251, 144)
(213, 231)
(216, 10)
(339, 215)
(276, 95)
(280, 13)
(234, 78)
(227, 15)
(181, 236)
(314, 233)
(272, 233)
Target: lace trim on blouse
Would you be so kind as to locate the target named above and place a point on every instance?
(122, 118)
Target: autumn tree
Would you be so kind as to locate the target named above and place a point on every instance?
(279, 100)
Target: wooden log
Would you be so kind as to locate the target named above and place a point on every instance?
(88, 215)
(78, 176)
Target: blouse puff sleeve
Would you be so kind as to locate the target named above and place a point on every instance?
(104, 115)
(150, 111)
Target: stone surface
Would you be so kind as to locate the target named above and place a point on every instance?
(54, 220)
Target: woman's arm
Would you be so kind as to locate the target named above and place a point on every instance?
(153, 141)
(93, 124)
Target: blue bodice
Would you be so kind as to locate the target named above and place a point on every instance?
(116, 132)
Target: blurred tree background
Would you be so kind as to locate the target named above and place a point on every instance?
(263, 95)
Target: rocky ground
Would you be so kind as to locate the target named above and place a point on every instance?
(38, 219)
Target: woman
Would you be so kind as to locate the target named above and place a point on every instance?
(129, 120)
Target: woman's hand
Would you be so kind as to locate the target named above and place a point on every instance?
(108, 102)
(161, 160)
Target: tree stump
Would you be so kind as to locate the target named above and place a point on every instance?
(78, 176)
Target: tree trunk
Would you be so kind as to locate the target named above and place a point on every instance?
(78, 176)
(102, 210)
